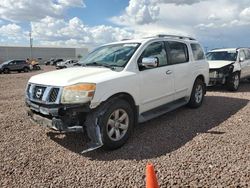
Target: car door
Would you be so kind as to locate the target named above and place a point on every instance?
(12, 65)
(179, 59)
(156, 84)
(244, 63)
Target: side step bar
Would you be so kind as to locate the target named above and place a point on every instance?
(145, 116)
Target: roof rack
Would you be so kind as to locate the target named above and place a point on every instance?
(176, 36)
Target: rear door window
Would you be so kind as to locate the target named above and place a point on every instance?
(178, 52)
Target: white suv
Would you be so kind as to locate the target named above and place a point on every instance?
(228, 66)
(118, 85)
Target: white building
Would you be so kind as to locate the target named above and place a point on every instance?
(22, 52)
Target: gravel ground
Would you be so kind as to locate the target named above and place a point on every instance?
(205, 147)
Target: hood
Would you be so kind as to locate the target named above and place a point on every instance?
(73, 75)
(218, 64)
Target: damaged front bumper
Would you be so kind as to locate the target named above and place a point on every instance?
(64, 118)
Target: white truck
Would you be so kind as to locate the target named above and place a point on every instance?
(119, 85)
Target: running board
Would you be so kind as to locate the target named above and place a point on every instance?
(162, 110)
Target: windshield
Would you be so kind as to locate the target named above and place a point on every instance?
(116, 55)
(222, 55)
(6, 62)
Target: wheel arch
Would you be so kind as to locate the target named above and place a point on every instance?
(128, 98)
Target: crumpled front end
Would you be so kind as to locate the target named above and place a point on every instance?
(219, 76)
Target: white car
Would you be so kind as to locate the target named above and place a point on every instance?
(228, 66)
(66, 64)
(118, 85)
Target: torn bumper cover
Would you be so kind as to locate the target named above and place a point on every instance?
(65, 118)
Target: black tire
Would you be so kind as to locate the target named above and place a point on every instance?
(197, 94)
(233, 82)
(25, 69)
(103, 114)
(6, 71)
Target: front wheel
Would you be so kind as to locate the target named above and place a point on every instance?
(116, 122)
(197, 94)
(233, 82)
(6, 71)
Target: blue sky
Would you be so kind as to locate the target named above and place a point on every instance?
(98, 12)
(79, 23)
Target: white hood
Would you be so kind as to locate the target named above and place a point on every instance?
(218, 64)
(73, 75)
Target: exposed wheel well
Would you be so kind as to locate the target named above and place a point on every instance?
(201, 77)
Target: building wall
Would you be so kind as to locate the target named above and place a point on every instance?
(8, 52)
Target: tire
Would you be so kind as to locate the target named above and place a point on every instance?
(233, 82)
(114, 133)
(197, 94)
(25, 69)
(6, 71)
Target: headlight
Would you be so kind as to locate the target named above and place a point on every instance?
(79, 93)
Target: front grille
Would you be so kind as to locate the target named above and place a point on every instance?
(53, 94)
(43, 94)
(38, 92)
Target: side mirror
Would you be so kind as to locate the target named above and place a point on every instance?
(149, 62)
(242, 59)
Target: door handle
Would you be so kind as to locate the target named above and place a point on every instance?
(168, 72)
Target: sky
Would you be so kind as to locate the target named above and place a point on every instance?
(89, 23)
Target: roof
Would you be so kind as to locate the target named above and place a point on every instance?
(142, 40)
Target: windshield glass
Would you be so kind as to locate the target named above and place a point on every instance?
(116, 55)
(222, 56)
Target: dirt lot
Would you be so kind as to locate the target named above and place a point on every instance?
(205, 147)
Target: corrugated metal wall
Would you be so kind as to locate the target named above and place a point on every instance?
(7, 53)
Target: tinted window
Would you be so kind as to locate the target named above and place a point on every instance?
(178, 52)
(20, 62)
(197, 52)
(157, 50)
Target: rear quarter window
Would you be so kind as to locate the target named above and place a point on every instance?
(197, 52)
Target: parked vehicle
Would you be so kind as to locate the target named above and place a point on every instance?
(14, 65)
(49, 62)
(53, 61)
(118, 85)
(228, 66)
(66, 64)
(56, 61)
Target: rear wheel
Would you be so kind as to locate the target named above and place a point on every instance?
(26, 69)
(197, 94)
(233, 82)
